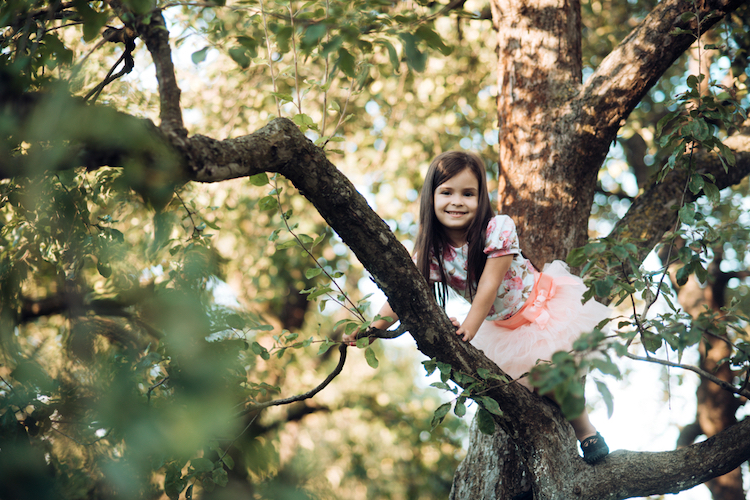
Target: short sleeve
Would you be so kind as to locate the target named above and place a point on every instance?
(501, 237)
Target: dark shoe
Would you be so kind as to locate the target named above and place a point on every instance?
(526, 495)
(594, 448)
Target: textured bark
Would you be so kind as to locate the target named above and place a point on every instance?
(554, 131)
(652, 213)
(554, 134)
(548, 165)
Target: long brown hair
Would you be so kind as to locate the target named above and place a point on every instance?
(431, 238)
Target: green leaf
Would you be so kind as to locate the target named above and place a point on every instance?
(680, 31)
(199, 55)
(429, 365)
(602, 288)
(392, 54)
(346, 63)
(202, 464)
(688, 16)
(491, 405)
(485, 422)
(459, 409)
(220, 477)
(687, 213)
(445, 370)
(683, 274)
(228, 461)
(174, 483)
(240, 56)
(235, 321)
(576, 257)
(712, 192)
(332, 45)
(104, 269)
(370, 357)
(414, 57)
(433, 39)
(441, 385)
(440, 414)
(318, 291)
(696, 183)
(313, 34)
(260, 179)
(363, 342)
(285, 245)
(325, 346)
(664, 121)
(268, 203)
(607, 396)
(312, 272)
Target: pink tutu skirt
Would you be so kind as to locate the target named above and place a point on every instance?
(551, 320)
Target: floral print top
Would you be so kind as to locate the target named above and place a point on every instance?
(501, 240)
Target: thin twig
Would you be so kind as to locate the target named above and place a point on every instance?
(325, 77)
(189, 212)
(270, 57)
(702, 373)
(151, 389)
(352, 306)
(238, 436)
(296, 63)
(342, 114)
(301, 397)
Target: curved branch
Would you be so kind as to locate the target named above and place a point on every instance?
(637, 63)
(636, 474)
(652, 213)
(307, 395)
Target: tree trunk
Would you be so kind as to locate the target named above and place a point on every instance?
(554, 134)
(539, 68)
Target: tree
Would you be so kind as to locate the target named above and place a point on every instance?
(541, 101)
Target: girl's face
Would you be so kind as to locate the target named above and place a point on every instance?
(455, 205)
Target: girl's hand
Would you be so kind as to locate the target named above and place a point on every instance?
(350, 339)
(465, 333)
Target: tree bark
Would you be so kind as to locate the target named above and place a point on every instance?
(554, 131)
(561, 175)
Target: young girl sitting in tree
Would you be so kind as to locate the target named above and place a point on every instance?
(518, 315)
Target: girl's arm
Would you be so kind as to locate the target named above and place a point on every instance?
(380, 324)
(491, 279)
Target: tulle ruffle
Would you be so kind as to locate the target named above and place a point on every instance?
(517, 350)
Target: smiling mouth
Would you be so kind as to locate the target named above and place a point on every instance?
(455, 213)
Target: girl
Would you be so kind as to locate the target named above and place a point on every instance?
(518, 315)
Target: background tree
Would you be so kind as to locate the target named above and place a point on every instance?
(110, 297)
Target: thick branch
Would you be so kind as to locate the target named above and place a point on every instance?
(156, 36)
(281, 147)
(637, 63)
(653, 213)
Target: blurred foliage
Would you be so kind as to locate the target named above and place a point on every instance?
(139, 316)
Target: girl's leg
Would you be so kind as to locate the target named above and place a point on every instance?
(582, 426)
